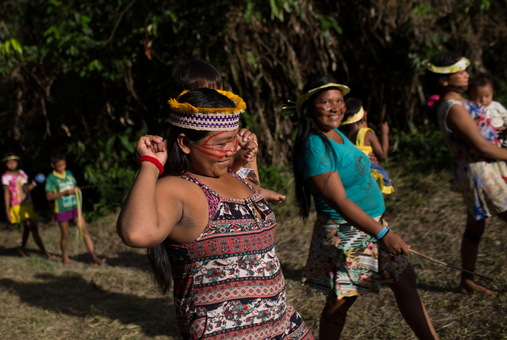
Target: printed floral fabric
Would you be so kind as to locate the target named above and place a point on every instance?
(228, 284)
(481, 181)
(344, 261)
(17, 188)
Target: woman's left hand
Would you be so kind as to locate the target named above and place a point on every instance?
(394, 245)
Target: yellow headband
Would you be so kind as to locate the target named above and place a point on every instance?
(354, 118)
(206, 119)
(343, 89)
(459, 66)
(8, 158)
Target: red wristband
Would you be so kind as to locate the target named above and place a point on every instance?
(152, 160)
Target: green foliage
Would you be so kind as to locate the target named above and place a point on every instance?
(109, 168)
(79, 72)
(420, 150)
(278, 179)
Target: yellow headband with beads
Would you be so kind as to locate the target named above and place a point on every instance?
(8, 158)
(354, 118)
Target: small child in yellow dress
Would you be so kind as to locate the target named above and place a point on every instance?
(18, 202)
(355, 126)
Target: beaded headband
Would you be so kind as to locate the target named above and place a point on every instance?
(459, 66)
(354, 118)
(8, 158)
(206, 119)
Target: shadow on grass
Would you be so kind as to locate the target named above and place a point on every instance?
(125, 259)
(74, 296)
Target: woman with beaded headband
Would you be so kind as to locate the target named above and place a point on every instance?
(208, 226)
(473, 141)
(352, 247)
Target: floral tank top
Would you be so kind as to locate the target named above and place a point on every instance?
(228, 283)
(462, 151)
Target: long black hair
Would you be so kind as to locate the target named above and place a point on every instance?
(177, 162)
(308, 126)
(434, 81)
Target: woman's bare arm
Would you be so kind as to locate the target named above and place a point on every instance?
(330, 188)
(142, 223)
(459, 121)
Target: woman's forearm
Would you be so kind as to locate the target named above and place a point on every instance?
(356, 216)
(491, 150)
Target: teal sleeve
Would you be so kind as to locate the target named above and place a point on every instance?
(316, 161)
(49, 184)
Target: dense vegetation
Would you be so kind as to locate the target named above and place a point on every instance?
(89, 76)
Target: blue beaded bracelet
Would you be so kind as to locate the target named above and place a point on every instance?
(382, 233)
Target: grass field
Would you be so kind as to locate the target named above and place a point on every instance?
(41, 299)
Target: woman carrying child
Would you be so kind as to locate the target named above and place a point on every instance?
(18, 202)
(352, 248)
(355, 125)
(469, 135)
(208, 225)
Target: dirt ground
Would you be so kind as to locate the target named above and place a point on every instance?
(42, 299)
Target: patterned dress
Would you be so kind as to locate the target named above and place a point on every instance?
(228, 283)
(481, 181)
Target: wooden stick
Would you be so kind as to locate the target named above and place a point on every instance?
(448, 265)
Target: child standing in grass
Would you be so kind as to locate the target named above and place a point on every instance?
(18, 202)
(61, 188)
(481, 91)
(356, 129)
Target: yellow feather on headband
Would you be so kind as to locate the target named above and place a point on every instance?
(188, 108)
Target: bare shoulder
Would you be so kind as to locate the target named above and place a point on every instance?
(175, 186)
(185, 203)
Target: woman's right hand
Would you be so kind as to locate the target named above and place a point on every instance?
(394, 245)
(153, 146)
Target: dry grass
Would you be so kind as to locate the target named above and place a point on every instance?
(45, 300)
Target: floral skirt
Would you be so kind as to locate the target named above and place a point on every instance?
(483, 187)
(344, 261)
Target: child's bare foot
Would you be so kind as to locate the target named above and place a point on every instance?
(67, 261)
(98, 260)
(469, 286)
(50, 256)
(22, 253)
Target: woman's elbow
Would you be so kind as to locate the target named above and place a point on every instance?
(131, 237)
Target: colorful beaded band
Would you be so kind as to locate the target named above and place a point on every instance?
(152, 160)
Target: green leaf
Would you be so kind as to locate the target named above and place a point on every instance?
(16, 46)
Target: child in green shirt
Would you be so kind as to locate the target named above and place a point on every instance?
(61, 188)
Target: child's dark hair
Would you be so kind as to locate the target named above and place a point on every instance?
(353, 106)
(56, 157)
(434, 80)
(196, 74)
(176, 163)
(481, 79)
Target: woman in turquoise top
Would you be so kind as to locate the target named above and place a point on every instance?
(352, 248)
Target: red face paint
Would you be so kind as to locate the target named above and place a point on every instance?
(219, 153)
